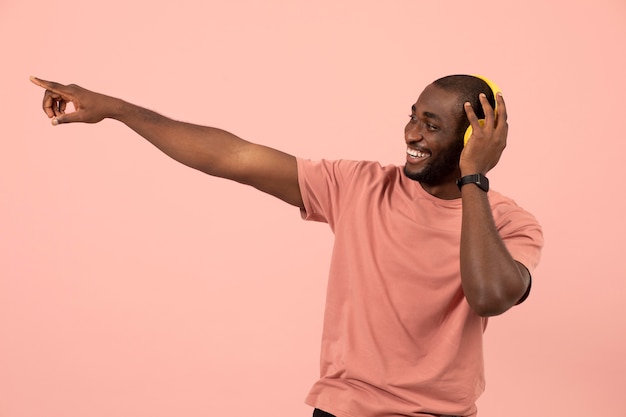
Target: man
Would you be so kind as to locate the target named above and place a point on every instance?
(423, 253)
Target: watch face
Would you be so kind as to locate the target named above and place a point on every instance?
(483, 186)
(482, 182)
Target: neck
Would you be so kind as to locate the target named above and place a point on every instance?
(444, 191)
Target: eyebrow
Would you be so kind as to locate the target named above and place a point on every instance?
(426, 113)
(431, 115)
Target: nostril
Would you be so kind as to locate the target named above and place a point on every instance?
(414, 138)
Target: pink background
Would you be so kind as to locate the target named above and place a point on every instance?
(133, 286)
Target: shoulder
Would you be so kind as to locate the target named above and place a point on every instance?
(519, 229)
(501, 204)
(346, 168)
(508, 213)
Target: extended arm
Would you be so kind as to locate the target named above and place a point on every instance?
(492, 280)
(210, 150)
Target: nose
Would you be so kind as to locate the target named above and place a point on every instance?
(413, 131)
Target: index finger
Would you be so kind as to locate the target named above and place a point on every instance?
(471, 115)
(49, 85)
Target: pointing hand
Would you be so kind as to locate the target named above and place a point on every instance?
(89, 107)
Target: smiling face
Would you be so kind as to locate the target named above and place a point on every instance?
(434, 142)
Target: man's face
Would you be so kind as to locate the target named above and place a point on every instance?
(432, 137)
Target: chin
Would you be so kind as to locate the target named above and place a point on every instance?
(414, 175)
(431, 175)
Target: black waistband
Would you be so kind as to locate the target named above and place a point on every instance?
(320, 413)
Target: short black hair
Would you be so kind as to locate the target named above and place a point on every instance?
(467, 88)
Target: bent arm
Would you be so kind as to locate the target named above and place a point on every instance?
(492, 280)
(210, 150)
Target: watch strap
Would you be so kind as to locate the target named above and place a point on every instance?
(479, 179)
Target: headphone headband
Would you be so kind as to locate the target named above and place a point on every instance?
(490, 83)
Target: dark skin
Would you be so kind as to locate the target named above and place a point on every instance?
(492, 280)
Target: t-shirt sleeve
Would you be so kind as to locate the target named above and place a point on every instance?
(522, 235)
(323, 186)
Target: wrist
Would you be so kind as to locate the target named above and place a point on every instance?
(472, 169)
(478, 180)
(116, 108)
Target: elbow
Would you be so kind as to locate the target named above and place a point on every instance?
(492, 302)
(489, 308)
(492, 297)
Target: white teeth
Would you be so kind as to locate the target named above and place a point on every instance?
(415, 153)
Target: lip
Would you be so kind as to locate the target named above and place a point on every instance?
(415, 159)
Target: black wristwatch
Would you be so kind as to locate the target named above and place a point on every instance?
(479, 179)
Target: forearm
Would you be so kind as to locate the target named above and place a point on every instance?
(492, 280)
(207, 149)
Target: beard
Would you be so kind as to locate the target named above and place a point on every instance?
(440, 169)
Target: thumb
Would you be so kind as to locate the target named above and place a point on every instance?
(66, 118)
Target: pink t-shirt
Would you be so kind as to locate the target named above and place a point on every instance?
(399, 337)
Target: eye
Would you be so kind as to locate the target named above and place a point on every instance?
(412, 117)
(431, 127)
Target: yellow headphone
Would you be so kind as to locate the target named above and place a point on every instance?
(495, 90)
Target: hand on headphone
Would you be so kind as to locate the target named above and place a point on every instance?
(488, 137)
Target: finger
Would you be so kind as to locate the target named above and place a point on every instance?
(487, 109)
(501, 127)
(49, 85)
(56, 97)
(53, 104)
(501, 114)
(471, 115)
(59, 108)
(49, 103)
(67, 118)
